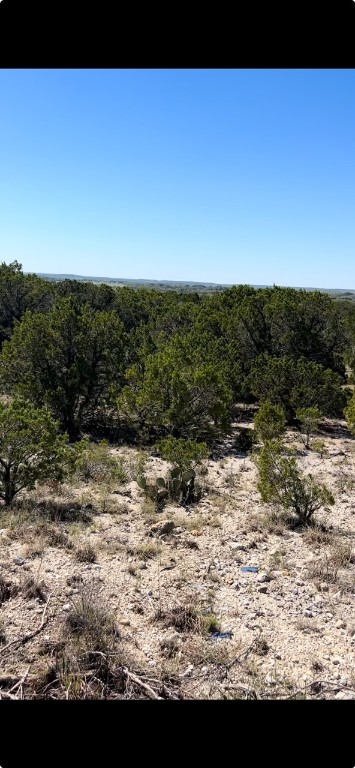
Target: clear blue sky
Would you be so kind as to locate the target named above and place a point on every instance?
(230, 176)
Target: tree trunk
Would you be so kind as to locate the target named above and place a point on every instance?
(9, 488)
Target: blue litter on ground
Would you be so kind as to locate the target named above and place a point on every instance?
(249, 569)
(222, 635)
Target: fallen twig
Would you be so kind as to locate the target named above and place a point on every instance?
(26, 638)
(20, 682)
(137, 680)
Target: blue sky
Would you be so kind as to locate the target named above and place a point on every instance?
(229, 176)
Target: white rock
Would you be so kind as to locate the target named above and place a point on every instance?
(340, 624)
(263, 577)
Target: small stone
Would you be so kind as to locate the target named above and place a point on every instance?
(263, 577)
(66, 607)
(270, 680)
(126, 623)
(152, 663)
(337, 660)
(340, 624)
(262, 589)
(161, 528)
(308, 613)
(19, 560)
(318, 601)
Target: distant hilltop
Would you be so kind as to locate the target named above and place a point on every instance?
(187, 285)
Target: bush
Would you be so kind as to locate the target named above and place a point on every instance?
(95, 462)
(309, 419)
(280, 483)
(184, 454)
(270, 421)
(30, 449)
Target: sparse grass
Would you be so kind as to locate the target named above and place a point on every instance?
(98, 464)
(232, 479)
(261, 646)
(306, 625)
(86, 554)
(200, 651)
(187, 618)
(7, 590)
(345, 482)
(35, 548)
(146, 551)
(183, 618)
(74, 580)
(270, 522)
(84, 664)
(135, 465)
(319, 446)
(182, 577)
(88, 619)
(327, 567)
(122, 508)
(317, 535)
(209, 624)
(169, 646)
(34, 588)
(149, 512)
(106, 504)
(277, 559)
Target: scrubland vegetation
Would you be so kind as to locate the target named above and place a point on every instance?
(152, 446)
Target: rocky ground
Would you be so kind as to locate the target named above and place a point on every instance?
(101, 596)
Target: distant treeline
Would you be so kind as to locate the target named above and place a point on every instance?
(144, 363)
(178, 285)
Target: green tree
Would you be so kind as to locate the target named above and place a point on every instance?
(270, 421)
(19, 293)
(297, 384)
(309, 420)
(177, 394)
(281, 483)
(31, 449)
(70, 359)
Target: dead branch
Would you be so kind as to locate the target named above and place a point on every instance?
(137, 680)
(31, 635)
